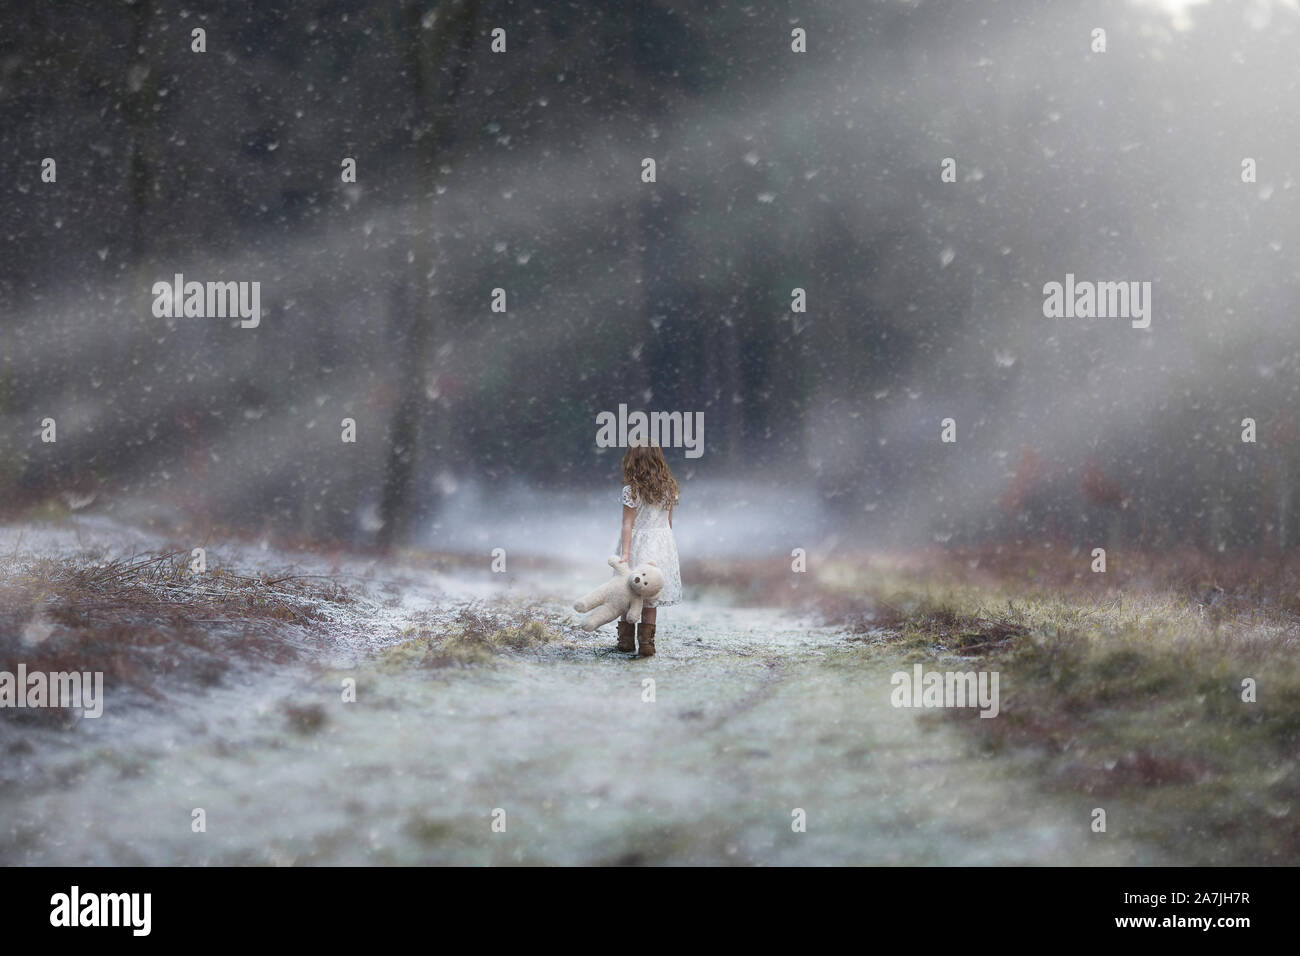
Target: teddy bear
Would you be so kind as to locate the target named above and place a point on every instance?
(626, 591)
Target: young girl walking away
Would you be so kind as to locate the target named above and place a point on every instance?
(649, 495)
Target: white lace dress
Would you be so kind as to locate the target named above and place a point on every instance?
(652, 540)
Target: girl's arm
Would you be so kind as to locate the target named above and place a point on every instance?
(670, 517)
(629, 515)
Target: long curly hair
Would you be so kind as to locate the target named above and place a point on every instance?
(646, 471)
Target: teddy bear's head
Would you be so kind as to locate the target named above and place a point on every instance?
(646, 580)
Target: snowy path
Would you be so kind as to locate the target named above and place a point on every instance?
(756, 713)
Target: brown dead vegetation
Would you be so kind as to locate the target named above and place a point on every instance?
(143, 618)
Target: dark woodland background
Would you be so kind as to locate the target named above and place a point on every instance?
(776, 170)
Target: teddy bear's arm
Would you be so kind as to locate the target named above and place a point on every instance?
(594, 599)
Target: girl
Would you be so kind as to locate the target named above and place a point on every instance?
(649, 495)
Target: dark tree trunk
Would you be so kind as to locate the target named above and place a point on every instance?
(436, 60)
(140, 84)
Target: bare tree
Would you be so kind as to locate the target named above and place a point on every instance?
(437, 49)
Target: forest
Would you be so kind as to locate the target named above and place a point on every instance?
(480, 177)
(966, 331)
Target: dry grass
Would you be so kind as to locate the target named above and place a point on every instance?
(1129, 684)
(475, 636)
(145, 619)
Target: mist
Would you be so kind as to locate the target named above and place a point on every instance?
(776, 171)
(966, 329)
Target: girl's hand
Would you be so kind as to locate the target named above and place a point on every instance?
(627, 558)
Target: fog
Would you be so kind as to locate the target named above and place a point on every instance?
(775, 171)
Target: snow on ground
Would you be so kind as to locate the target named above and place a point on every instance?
(755, 714)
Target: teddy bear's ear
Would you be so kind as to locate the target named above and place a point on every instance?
(652, 564)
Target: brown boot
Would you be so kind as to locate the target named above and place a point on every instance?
(627, 637)
(645, 636)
